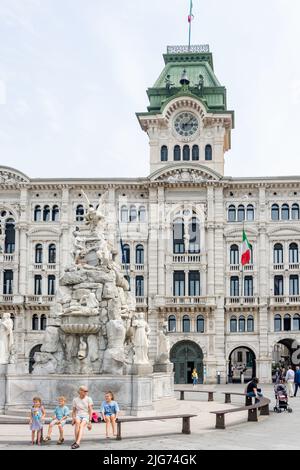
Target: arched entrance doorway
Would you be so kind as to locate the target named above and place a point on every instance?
(186, 355)
(35, 349)
(285, 353)
(242, 365)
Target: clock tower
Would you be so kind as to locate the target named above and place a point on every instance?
(187, 121)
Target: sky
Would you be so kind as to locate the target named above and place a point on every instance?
(73, 73)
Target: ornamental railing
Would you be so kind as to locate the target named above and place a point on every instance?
(186, 49)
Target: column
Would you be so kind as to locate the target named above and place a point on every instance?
(65, 227)
(161, 242)
(25, 216)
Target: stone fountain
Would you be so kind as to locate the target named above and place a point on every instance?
(94, 335)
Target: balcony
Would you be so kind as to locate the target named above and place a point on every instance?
(278, 266)
(189, 258)
(284, 299)
(7, 298)
(294, 266)
(39, 299)
(238, 267)
(141, 300)
(8, 258)
(44, 267)
(251, 300)
(186, 300)
(132, 267)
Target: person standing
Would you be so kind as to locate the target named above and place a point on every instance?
(195, 377)
(290, 379)
(81, 415)
(297, 380)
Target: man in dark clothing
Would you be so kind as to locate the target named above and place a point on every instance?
(252, 391)
(297, 380)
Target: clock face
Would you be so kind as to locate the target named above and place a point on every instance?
(186, 124)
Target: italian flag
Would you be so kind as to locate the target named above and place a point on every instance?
(246, 250)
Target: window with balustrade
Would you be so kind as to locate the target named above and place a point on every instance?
(10, 236)
(294, 284)
(79, 214)
(179, 283)
(139, 254)
(194, 283)
(8, 279)
(234, 255)
(234, 286)
(278, 253)
(51, 284)
(178, 236)
(248, 286)
(293, 253)
(278, 285)
(164, 153)
(186, 324)
(139, 286)
(38, 253)
(52, 253)
(38, 284)
(172, 324)
(126, 254)
(200, 324)
(194, 236)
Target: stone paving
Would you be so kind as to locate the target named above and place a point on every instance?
(274, 432)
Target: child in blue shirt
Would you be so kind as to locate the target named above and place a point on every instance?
(109, 411)
(61, 414)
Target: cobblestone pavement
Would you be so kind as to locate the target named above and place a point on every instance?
(278, 431)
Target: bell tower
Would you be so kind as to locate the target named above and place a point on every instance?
(187, 118)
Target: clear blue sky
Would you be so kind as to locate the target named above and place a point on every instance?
(74, 72)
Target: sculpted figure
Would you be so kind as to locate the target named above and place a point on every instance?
(6, 338)
(140, 339)
(163, 345)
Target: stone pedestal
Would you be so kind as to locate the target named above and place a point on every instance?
(3, 370)
(142, 369)
(163, 368)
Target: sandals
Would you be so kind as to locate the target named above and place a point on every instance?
(60, 441)
(46, 439)
(75, 446)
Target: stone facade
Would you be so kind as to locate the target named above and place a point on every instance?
(181, 231)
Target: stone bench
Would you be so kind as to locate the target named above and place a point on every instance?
(210, 393)
(248, 400)
(263, 405)
(186, 425)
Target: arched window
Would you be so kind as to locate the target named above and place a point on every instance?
(177, 153)
(35, 322)
(186, 153)
(46, 214)
(295, 212)
(294, 284)
(142, 214)
(233, 325)
(208, 152)
(293, 253)
(132, 214)
(241, 213)
(172, 323)
(285, 212)
(139, 254)
(43, 322)
(186, 324)
(55, 214)
(51, 284)
(278, 253)
(10, 236)
(37, 284)
(178, 236)
(124, 214)
(287, 323)
(250, 324)
(37, 214)
(250, 213)
(200, 324)
(195, 153)
(38, 253)
(278, 285)
(234, 286)
(126, 254)
(139, 286)
(231, 213)
(277, 323)
(31, 357)
(79, 213)
(234, 255)
(242, 324)
(275, 212)
(52, 254)
(194, 236)
(296, 322)
(164, 153)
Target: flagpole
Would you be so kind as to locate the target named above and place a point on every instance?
(242, 287)
(190, 23)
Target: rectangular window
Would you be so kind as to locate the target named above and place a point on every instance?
(294, 285)
(278, 285)
(8, 277)
(37, 284)
(139, 286)
(51, 285)
(248, 286)
(234, 286)
(179, 283)
(194, 283)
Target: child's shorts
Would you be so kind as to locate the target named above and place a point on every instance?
(54, 422)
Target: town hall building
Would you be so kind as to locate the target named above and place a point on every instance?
(179, 234)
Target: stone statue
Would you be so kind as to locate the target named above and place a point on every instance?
(114, 356)
(82, 351)
(163, 345)
(200, 85)
(140, 339)
(168, 82)
(6, 339)
(45, 363)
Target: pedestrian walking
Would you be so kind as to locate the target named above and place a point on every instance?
(290, 380)
(297, 380)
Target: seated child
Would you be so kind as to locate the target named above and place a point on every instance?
(59, 419)
(109, 411)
